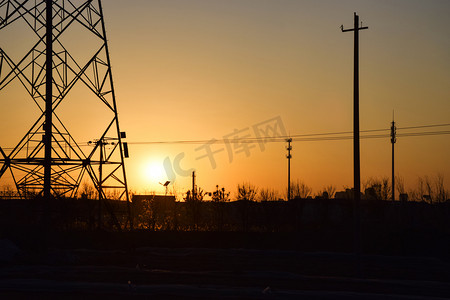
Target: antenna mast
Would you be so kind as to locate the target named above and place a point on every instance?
(393, 141)
(289, 156)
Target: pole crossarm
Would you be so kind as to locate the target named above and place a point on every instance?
(353, 29)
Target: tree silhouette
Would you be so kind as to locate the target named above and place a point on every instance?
(87, 191)
(219, 195)
(441, 193)
(267, 195)
(380, 187)
(328, 192)
(400, 185)
(429, 190)
(246, 191)
(300, 190)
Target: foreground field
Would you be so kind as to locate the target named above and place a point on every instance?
(150, 269)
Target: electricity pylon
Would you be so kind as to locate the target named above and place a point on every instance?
(48, 161)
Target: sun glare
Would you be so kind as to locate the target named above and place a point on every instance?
(154, 172)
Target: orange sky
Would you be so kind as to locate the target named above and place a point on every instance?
(198, 70)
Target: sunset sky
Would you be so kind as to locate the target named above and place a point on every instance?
(201, 70)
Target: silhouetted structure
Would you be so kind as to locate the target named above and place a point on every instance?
(356, 147)
(48, 161)
(289, 156)
(393, 140)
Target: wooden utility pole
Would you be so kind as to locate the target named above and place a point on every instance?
(356, 148)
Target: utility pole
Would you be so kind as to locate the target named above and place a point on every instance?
(393, 140)
(194, 196)
(289, 156)
(356, 148)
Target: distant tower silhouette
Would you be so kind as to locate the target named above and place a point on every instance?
(289, 156)
(393, 141)
(69, 53)
(194, 187)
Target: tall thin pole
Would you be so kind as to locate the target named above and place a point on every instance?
(289, 156)
(393, 140)
(194, 196)
(48, 101)
(356, 147)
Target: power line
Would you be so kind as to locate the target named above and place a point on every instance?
(309, 137)
(424, 126)
(423, 133)
(295, 138)
(301, 138)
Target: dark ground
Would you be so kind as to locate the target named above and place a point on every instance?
(208, 265)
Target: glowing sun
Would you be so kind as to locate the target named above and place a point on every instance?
(154, 172)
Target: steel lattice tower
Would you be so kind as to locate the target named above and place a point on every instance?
(48, 161)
